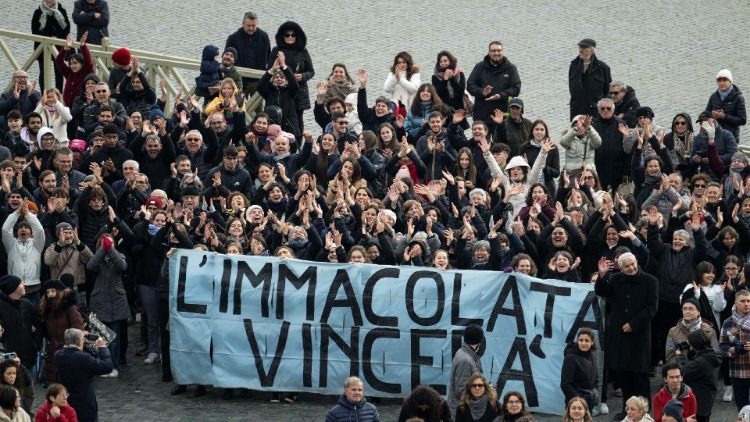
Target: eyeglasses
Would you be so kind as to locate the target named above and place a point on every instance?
(678, 123)
(605, 108)
(614, 92)
(343, 122)
(290, 35)
(477, 385)
(100, 91)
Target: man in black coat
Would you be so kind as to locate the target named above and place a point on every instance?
(493, 83)
(253, 48)
(77, 369)
(91, 16)
(626, 103)
(634, 297)
(588, 80)
(18, 319)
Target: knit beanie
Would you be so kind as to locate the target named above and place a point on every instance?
(9, 284)
(473, 334)
(674, 408)
(121, 56)
(724, 73)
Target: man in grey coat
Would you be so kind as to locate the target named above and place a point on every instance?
(466, 363)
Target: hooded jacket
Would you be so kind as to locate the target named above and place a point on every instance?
(210, 69)
(297, 58)
(685, 395)
(579, 376)
(680, 146)
(79, 105)
(504, 79)
(628, 106)
(24, 258)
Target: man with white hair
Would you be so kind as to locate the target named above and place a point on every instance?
(633, 295)
(352, 405)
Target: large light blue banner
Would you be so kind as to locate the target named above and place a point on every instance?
(289, 325)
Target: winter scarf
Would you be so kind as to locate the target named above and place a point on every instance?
(50, 11)
(691, 326)
(478, 407)
(440, 73)
(725, 94)
(743, 322)
(339, 89)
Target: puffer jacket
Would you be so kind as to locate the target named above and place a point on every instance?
(297, 58)
(108, 300)
(580, 151)
(346, 411)
(734, 109)
(24, 258)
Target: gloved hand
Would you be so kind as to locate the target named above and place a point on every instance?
(739, 347)
(710, 130)
(107, 243)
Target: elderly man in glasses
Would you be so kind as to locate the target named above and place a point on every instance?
(626, 103)
(611, 158)
(22, 96)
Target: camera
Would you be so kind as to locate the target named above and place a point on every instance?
(8, 356)
(91, 337)
(682, 346)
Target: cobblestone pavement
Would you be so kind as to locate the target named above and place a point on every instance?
(669, 51)
(138, 395)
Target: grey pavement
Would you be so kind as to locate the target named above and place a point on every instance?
(669, 51)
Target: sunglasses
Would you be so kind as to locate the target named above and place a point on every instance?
(343, 122)
(678, 123)
(192, 139)
(605, 108)
(290, 35)
(614, 92)
(699, 186)
(101, 91)
(477, 385)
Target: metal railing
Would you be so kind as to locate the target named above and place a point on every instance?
(163, 66)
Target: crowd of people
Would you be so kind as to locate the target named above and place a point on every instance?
(98, 186)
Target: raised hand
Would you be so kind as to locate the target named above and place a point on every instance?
(362, 76)
(498, 116)
(459, 116)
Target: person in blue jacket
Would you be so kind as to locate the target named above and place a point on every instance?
(352, 405)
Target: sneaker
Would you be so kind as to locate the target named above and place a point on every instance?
(113, 374)
(618, 392)
(141, 350)
(728, 393)
(290, 398)
(152, 358)
(275, 398)
(603, 409)
(595, 411)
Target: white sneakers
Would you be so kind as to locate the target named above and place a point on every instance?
(603, 409)
(152, 358)
(113, 374)
(728, 393)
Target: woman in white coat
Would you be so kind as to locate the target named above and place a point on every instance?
(403, 80)
(55, 115)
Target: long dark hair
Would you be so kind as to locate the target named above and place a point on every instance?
(416, 103)
(410, 68)
(451, 58)
(531, 132)
(471, 172)
(424, 396)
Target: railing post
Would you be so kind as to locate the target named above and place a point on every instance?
(48, 70)
(108, 57)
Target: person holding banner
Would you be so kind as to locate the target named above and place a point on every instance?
(465, 363)
(352, 405)
(633, 295)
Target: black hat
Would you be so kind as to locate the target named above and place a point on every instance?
(587, 42)
(674, 408)
(68, 280)
(52, 284)
(516, 102)
(693, 301)
(231, 50)
(473, 334)
(644, 111)
(9, 284)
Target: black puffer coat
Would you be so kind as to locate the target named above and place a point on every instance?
(297, 58)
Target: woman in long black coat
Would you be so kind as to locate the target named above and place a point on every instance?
(50, 20)
(292, 41)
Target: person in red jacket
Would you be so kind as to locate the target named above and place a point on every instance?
(75, 73)
(56, 407)
(673, 389)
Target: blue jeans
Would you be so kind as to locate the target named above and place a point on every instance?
(114, 348)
